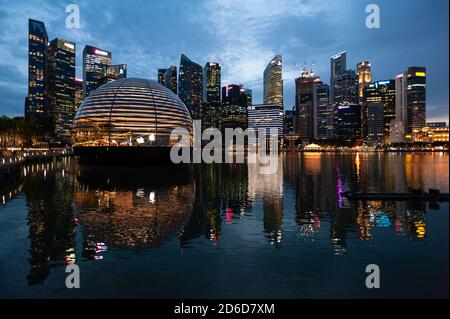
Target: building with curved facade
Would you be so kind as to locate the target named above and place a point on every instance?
(273, 82)
(128, 119)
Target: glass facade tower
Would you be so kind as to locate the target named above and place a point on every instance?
(37, 44)
(61, 85)
(273, 82)
(190, 88)
(95, 62)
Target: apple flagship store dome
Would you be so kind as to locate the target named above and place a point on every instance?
(129, 112)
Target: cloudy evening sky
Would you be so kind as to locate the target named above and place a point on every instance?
(242, 35)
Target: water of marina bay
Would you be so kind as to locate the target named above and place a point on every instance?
(225, 230)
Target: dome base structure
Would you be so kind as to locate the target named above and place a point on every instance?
(124, 156)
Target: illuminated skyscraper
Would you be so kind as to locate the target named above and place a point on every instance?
(345, 88)
(211, 82)
(95, 62)
(162, 76)
(415, 99)
(381, 92)
(364, 77)
(375, 124)
(249, 94)
(190, 88)
(37, 43)
(61, 85)
(112, 73)
(211, 94)
(348, 122)
(273, 82)
(170, 79)
(233, 112)
(304, 105)
(397, 133)
(323, 111)
(338, 64)
(266, 117)
(78, 93)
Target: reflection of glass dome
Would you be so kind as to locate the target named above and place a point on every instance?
(129, 112)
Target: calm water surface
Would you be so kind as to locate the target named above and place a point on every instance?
(226, 231)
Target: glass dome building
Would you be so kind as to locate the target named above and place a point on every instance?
(128, 119)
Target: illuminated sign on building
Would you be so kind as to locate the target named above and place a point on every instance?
(69, 45)
(100, 52)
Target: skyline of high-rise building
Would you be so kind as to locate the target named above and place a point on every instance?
(37, 44)
(61, 85)
(190, 86)
(273, 81)
(95, 62)
(404, 98)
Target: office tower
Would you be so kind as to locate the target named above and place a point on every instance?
(211, 94)
(78, 93)
(249, 95)
(37, 44)
(383, 92)
(162, 76)
(348, 122)
(211, 82)
(364, 77)
(289, 120)
(415, 99)
(233, 112)
(398, 125)
(61, 85)
(323, 112)
(170, 79)
(273, 82)
(338, 64)
(345, 88)
(112, 73)
(304, 105)
(263, 116)
(95, 62)
(375, 124)
(190, 87)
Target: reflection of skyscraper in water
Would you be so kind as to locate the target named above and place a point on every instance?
(221, 192)
(308, 194)
(50, 220)
(268, 188)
